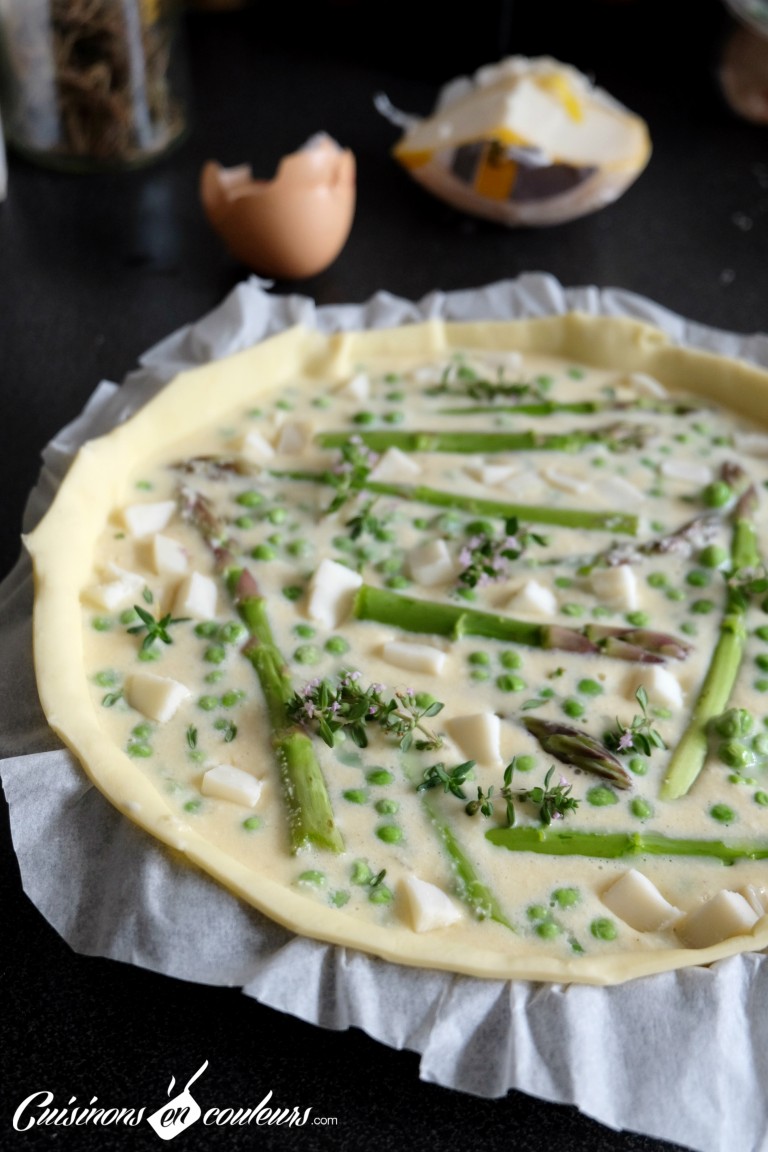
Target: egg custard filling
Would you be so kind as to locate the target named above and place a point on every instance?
(448, 643)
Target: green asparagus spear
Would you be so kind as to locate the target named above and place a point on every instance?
(552, 841)
(621, 522)
(688, 758)
(311, 819)
(412, 614)
(614, 436)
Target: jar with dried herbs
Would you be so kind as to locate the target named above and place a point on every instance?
(90, 84)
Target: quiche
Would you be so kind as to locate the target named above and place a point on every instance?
(445, 642)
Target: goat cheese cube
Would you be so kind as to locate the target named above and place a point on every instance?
(293, 438)
(689, 471)
(427, 907)
(225, 782)
(533, 598)
(394, 465)
(114, 594)
(156, 697)
(662, 686)
(616, 586)
(358, 387)
(414, 657)
(430, 563)
(637, 901)
(196, 596)
(565, 481)
(330, 593)
(144, 519)
(255, 447)
(168, 557)
(726, 914)
(478, 736)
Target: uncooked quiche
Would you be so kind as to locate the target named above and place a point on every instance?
(446, 642)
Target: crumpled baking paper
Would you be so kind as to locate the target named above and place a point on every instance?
(681, 1056)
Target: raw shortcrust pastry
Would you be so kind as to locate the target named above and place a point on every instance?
(295, 462)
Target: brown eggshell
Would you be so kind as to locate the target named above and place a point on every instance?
(290, 227)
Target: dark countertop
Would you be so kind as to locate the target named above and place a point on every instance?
(97, 268)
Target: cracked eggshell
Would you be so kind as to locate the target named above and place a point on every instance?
(525, 142)
(292, 226)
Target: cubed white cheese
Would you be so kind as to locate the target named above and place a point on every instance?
(616, 586)
(533, 598)
(430, 563)
(358, 387)
(637, 901)
(726, 914)
(491, 474)
(662, 686)
(645, 385)
(751, 444)
(414, 657)
(255, 447)
(144, 519)
(111, 595)
(196, 596)
(565, 481)
(689, 471)
(293, 438)
(226, 782)
(156, 697)
(478, 736)
(394, 466)
(330, 593)
(169, 557)
(757, 898)
(426, 906)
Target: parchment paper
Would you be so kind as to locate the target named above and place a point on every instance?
(682, 1056)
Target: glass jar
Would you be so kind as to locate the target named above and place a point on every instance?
(89, 84)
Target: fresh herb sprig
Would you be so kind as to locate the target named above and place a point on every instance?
(349, 707)
(156, 628)
(486, 557)
(554, 802)
(640, 735)
(350, 473)
(366, 523)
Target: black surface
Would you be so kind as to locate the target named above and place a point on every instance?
(94, 269)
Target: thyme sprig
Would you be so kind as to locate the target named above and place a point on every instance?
(350, 473)
(554, 802)
(348, 706)
(640, 735)
(156, 628)
(462, 380)
(486, 557)
(366, 523)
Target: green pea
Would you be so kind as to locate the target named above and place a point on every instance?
(733, 722)
(722, 813)
(573, 708)
(107, 678)
(252, 823)
(206, 628)
(381, 895)
(762, 662)
(563, 582)
(149, 655)
(525, 763)
(356, 795)
(537, 912)
(277, 516)
(140, 750)
(193, 805)
(293, 591)
(129, 616)
(250, 499)
(233, 697)
(689, 628)
(761, 798)
(102, 624)
(479, 658)
(263, 552)
(600, 796)
(566, 897)
(638, 765)
(760, 744)
(510, 659)
(379, 776)
(548, 930)
(761, 685)
(360, 873)
(716, 494)
(244, 522)
(340, 898)
(215, 654)
(675, 594)
(698, 578)
(387, 807)
(702, 607)
(657, 580)
(364, 418)
(480, 674)
(141, 731)
(572, 609)
(231, 632)
(313, 877)
(466, 593)
(637, 619)
(389, 833)
(397, 582)
(604, 929)
(589, 687)
(337, 645)
(762, 632)
(735, 755)
(214, 677)
(305, 631)
(307, 654)
(641, 808)
(713, 556)
(208, 703)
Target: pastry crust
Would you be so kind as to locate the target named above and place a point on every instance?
(100, 481)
